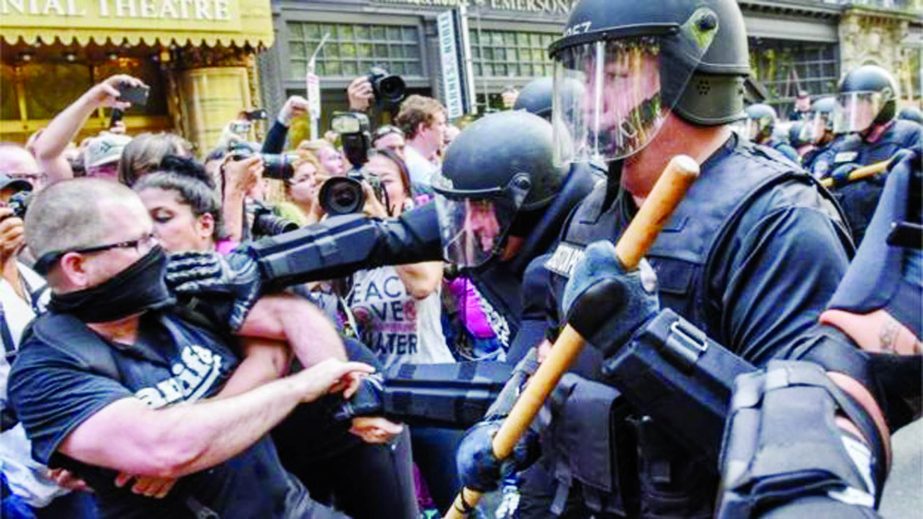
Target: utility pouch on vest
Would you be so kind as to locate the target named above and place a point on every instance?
(591, 445)
(674, 373)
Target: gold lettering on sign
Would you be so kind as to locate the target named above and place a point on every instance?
(218, 10)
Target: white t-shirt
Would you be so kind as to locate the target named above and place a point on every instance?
(397, 327)
(24, 475)
(421, 170)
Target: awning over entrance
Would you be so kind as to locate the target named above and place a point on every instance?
(134, 22)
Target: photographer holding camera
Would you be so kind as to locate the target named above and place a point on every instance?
(120, 91)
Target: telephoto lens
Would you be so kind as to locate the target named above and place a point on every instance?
(342, 195)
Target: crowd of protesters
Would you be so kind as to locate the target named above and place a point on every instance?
(396, 312)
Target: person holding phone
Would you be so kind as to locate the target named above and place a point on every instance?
(120, 92)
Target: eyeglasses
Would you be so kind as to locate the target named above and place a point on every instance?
(142, 244)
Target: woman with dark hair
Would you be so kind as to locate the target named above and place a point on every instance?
(398, 312)
(185, 210)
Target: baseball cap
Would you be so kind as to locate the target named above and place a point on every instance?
(105, 149)
(17, 184)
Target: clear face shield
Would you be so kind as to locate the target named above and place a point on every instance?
(611, 97)
(474, 224)
(815, 127)
(856, 111)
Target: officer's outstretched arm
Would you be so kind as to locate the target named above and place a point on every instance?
(784, 453)
(330, 249)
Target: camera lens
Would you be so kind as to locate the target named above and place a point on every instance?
(276, 166)
(341, 195)
(391, 88)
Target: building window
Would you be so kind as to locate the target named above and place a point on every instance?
(352, 49)
(509, 54)
(784, 67)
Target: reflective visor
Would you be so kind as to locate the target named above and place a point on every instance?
(474, 224)
(856, 111)
(620, 100)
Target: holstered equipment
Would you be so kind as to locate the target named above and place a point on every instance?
(674, 373)
(783, 450)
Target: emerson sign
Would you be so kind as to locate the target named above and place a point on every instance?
(519, 6)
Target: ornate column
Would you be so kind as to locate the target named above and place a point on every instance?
(214, 85)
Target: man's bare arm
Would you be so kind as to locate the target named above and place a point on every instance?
(130, 437)
(287, 317)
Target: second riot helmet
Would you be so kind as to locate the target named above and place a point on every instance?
(867, 95)
(819, 122)
(497, 168)
(760, 122)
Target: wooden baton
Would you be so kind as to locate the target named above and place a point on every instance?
(860, 173)
(667, 193)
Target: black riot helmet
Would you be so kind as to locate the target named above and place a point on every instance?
(636, 62)
(760, 123)
(535, 97)
(867, 95)
(910, 113)
(818, 125)
(496, 170)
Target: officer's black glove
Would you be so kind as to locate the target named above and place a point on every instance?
(479, 469)
(604, 303)
(366, 401)
(232, 282)
(840, 175)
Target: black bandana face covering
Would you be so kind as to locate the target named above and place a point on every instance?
(136, 289)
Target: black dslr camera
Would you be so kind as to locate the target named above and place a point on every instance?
(388, 89)
(19, 202)
(265, 222)
(344, 195)
(275, 165)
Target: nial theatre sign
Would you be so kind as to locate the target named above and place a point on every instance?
(165, 21)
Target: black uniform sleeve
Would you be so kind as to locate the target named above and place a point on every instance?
(275, 138)
(783, 269)
(52, 393)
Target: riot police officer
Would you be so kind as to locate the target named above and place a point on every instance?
(761, 126)
(500, 201)
(867, 132)
(909, 113)
(818, 130)
(750, 257)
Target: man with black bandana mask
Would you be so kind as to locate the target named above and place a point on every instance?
(750, 257)
(97, 380)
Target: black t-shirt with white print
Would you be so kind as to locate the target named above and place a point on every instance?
(173, 361)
